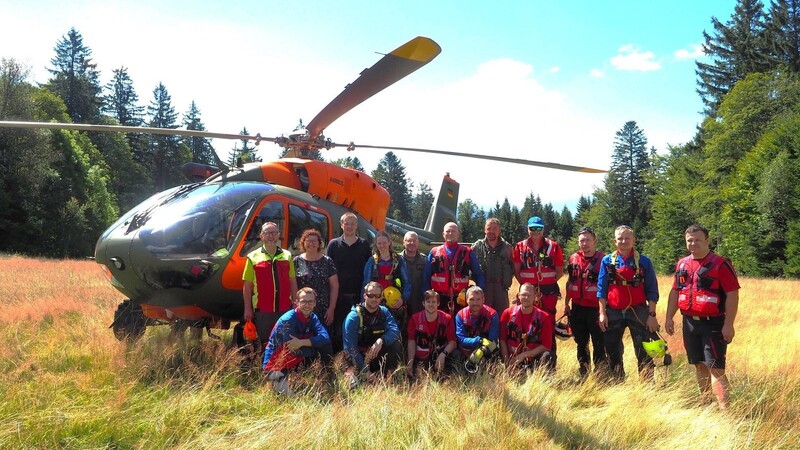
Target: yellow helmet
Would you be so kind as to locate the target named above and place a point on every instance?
(655, 348)
(392, 296)
(462, 298)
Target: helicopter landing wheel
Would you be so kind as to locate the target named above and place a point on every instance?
(129, 322)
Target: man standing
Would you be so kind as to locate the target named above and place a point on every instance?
(349, 253)
(495, 257)
(269, 283)
(627, 290)
(415, 263)
(448, 269)
(297, 340)
(539, 261)
(706, 290)
(584, 265)
(526, 331)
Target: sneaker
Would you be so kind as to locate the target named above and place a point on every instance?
(282, 387)
(352, 380)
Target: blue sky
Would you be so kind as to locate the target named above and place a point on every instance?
(550, 81)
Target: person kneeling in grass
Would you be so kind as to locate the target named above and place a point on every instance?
(297, 340)
(431, 337)
(371, 337)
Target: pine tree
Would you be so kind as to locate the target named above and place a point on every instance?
(75, 78)
(421, 205)
(167, 154)
(783, 32)
(121, 100)
(202, 151)
(737, 48)
(351, 163)
(470, 221)
(391, 174)
(625, 183)
(245, 154)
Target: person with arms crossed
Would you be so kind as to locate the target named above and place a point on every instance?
(495, 257)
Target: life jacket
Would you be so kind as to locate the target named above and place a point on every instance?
(427, 343)
(538, 268)
(273, 291)
(582, 278)
(700, 292)
(626, 284)
(529, 335)
(371, 326)
(386, 274)
(446, 273)
(480, 326)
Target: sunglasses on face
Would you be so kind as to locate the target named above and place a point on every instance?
(374, 295)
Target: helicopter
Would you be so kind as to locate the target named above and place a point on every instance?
(178, 256)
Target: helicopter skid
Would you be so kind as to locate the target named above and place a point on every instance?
(191, 313)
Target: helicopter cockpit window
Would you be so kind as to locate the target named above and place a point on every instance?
(205, 221)
(301, 219)
(272, 211)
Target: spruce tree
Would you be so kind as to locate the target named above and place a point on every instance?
(166, 153)
(625, 183)
(75, 78)
(202, 151)
(421, 205)
(391, 174)
(736, 48)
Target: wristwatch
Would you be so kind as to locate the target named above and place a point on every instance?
(652, 313)
(445, 353)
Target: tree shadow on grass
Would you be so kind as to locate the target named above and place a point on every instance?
(563, 433)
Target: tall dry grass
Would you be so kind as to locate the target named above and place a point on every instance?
(65, 382)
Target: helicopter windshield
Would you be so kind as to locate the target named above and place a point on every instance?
(204, 221)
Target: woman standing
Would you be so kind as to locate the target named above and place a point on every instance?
(315, 270)
(388, 269)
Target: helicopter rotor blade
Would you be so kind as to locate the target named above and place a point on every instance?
(127, 129)
(526, 162)
(391, 68)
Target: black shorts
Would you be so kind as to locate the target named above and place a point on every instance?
(704, 342)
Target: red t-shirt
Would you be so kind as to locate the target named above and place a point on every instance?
(429, 335)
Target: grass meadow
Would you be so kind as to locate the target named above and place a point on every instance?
(66, 382)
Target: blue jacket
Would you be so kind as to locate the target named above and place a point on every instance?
(291, 324)
(473, 342)
(354, 326)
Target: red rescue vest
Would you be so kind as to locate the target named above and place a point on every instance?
(582, 281)
(517, 331)
(385, 274)
(446, 270)
(272, 280)
(626, 284)
(537, 268)
(699, 292)
(426, 339)
(480, 326)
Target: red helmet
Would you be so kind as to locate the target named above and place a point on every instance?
(250, 332)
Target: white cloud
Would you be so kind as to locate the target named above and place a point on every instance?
(631, 59)
(695, 52)
(554, 69)
(596, 73)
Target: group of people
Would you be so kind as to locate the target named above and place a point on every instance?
(450, 310)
